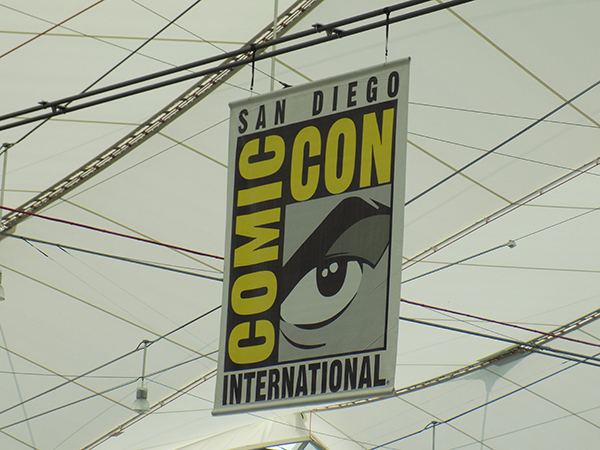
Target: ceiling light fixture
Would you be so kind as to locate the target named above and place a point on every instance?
(141, 404)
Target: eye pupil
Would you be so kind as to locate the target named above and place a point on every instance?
(331, 278)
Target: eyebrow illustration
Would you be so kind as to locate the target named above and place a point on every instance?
(323, 276)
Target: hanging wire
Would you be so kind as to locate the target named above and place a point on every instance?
(61, 109)
(49, 29)
(505, 142)
(433, 425)
(476, 408)
(523, 346)
(497, 322)
(114, 233)
(526, 199)
(155, 265)
(387, 31)
(509, 244)
(103, 394)
(497, 114)
(18, 387)
(332, 33)
(253, 47)
(106, 364)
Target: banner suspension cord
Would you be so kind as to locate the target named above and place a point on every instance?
(387, 31)
(253, 46)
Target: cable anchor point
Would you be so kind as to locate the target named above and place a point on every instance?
(58, 109)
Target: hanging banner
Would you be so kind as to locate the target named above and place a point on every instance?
(314, 242)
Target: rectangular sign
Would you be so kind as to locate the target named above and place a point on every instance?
(314, 242)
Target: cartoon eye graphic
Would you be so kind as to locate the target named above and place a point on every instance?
(322, 293)
(323, 277)
(331, 277)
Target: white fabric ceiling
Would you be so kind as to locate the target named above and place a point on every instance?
(479, 74)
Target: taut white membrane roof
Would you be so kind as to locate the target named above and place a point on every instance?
(73, 322)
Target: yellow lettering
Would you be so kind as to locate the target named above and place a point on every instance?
(377, 147)
(333, 183)
(257, 194)
(299, 190)
(249, 304)
(258, 169)
(253, 353)
(254, 251)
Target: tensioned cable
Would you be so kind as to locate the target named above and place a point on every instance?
(543, 422)
(497, 114)
(147, 41)
(502, 212)
(176, 389)
(211, 43)
(147, 239)
(106, 364)
(193, 95)
(116, 66)
(184, 145)
(133, 230)
(553, 335)
(74, 381)
(333, 32)
(507, 155)
(505, 266)
(509, 244)
(116, 257)
(51, 28)
(141, 322)
(166, 401)
(51, 375)
(185, 325)
(503, 143)
(19, 440)
(98, 308)
(113, 233)
(471, 323)
(558, 223)
(153, 156)
(543, 350)
(19, 393)
(101, 393)
(558, 405)
(462, 174)
(518, 64)
(464, 413)
(139, 163)
(471, 368)
(94, 289)
(107, 36)
(296, 427)
(99, 38)
(497, 322)
(431, 425)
